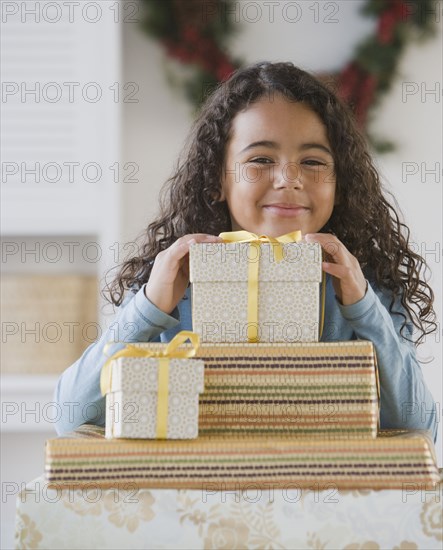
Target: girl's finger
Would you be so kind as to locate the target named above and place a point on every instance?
(199, 238)
(180, 248)
(350, 286)
(337, 270)
(332, 246)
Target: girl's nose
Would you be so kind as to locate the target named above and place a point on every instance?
(289, 176)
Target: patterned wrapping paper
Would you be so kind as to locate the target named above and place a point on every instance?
(395, 458)
(325, 390)
(288, 292)
(126, 518)
(131, 406)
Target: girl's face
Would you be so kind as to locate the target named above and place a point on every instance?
(279, 169)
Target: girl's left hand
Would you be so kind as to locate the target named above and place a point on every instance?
(347, 277)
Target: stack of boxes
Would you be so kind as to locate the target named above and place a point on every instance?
(277, 406)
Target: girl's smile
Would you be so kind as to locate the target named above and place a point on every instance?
(285, 209)
(279, 169)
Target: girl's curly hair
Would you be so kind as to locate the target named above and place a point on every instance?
(363, 219)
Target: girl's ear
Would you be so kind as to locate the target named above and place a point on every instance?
(336, 198)
(221, 191)
(222, 185)
(221, 198)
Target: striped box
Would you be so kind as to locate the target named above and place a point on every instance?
(327, 390)
(394, 460)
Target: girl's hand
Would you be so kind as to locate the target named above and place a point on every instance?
(170, 272)
(347, 277)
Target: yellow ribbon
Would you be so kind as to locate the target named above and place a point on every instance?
(255, 240)
(170, 352)
(277, 242)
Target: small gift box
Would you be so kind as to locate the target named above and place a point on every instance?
(153, 394)
(256, 289)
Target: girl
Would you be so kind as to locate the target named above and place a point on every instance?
(273, 150)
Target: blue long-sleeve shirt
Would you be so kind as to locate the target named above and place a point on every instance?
(405, 400)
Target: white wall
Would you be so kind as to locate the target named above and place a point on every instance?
(154, 129)
(412, 116)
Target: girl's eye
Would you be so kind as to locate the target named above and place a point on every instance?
(314, 162)
(261, 160)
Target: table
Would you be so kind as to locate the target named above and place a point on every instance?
(124, 517)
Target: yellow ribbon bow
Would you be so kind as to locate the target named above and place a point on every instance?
(170, 352)
(255, 240)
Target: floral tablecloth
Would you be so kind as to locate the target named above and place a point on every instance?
(125, 517)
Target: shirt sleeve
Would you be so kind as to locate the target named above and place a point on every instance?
(78, 389)
(406, 402)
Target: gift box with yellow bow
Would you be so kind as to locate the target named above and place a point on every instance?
(153, 394)
(253, 288)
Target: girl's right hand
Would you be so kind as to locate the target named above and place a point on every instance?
(170, 273)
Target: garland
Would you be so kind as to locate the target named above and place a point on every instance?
(196, 33)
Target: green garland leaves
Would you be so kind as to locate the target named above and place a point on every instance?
(196, 33)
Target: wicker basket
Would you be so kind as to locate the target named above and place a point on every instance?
(47, 321)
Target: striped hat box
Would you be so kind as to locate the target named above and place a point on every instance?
(390, 461)
(327, 390)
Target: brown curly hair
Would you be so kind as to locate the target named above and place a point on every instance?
(364, 221)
